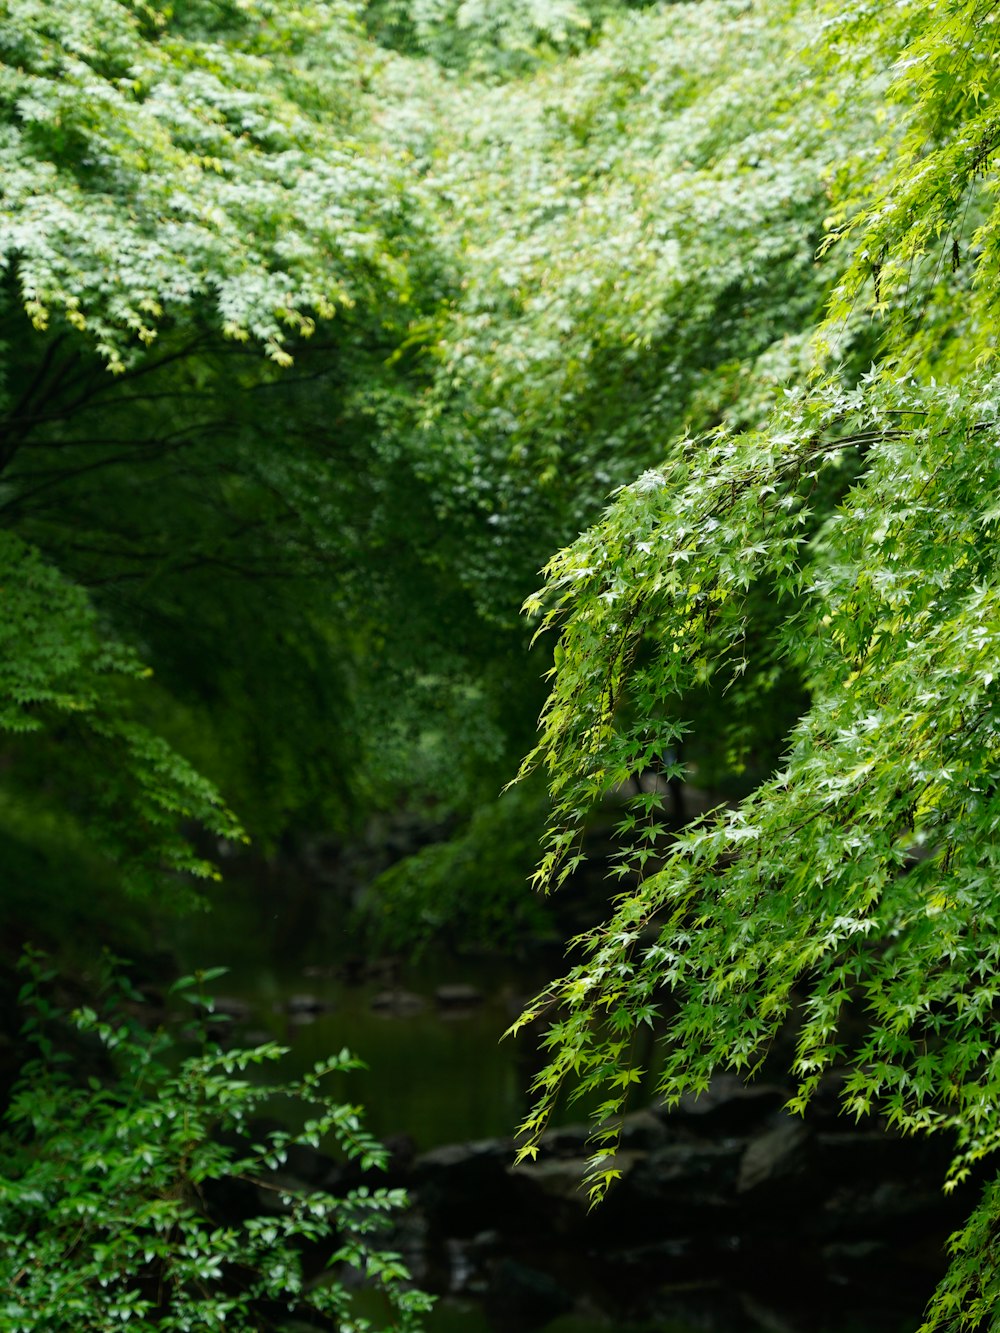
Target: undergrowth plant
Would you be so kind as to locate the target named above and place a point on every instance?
(146, 1195)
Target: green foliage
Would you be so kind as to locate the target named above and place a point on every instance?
(57, 677)
(467, 889)
(491, 41)
(518, 313)
(193, 187)
(519, 258)
(157, 162)
(112, 1204)
(636, 230)
(849, 541)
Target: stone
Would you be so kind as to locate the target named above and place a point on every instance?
(464, 1158)
(774, 1156)
(564, 1177)
(464, 1187)
(565, 1141)
(524, 1297)
(642, 1131)
(729, 1106)
(229, 1006)
(307, 1004)
(308, 1164)
(400, 1003)
(555, 1177)
(682, 1166)
(457, 997)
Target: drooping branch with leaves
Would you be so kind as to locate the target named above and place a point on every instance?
(851, 897)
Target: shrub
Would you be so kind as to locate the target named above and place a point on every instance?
(110, 1211)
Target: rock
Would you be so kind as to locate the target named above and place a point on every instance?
(773, 1157)
(465, 1159)
(229, 1006)
(410, 1239)
(882, 1206)
(695, 1171)
(400, 1003)
(565, 1141)
(307, 1164)
(307, 1004)
(465, 1259)
(642, 1131)
(729, 1106)
(402, 1150)
(653, 1256)
(683, 1188)
(850, 1254)
(555, 1177)
(464, 1188)
(386, 969)
(457, 997)
(765, 1318)
(526, 1298)
(564, 1177)
(701, 1306)
(256, 1037)
(274, 1193)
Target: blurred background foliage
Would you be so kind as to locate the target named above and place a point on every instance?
(323, 326)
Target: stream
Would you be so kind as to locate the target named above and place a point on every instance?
(439, 1074)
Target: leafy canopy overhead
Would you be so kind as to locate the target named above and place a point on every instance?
(491, 311)
(159, 159)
